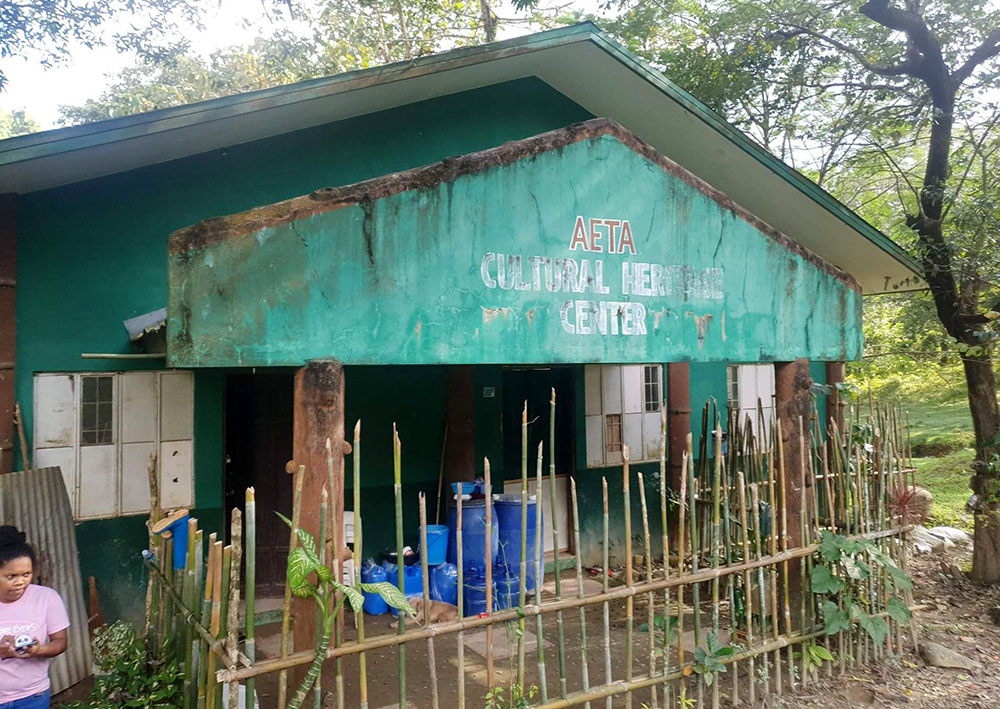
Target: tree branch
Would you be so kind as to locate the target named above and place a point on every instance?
(988, 49)
(902, 69)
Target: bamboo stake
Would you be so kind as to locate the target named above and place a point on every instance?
(665, 544)
(206, 618)
(232, 622)
(360, 617)
(167, 569)
(324, 501)
(522, 581)
(628, 573)
(286, 613)
(604, 586)
(650, 616)
(695, 552)
(540, 580)
(397, 488)
(579, 593)
(425, 572)
(189, 593)
(489, 572)
(716, 536)
(250, 543)
(773, 573)
(472, 623)
(803, 531)
(216, 623)
(194, 607)
(747, 595)
(784, 546)
(681, 550)
(461, 600)
(555, 541)
(734, 620)
(227, 556)
(155, 514)
(336, 567)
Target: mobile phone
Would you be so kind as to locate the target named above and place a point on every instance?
(22, 644)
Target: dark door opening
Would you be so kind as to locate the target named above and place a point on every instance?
(259, 411)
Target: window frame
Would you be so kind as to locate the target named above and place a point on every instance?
(624, 410)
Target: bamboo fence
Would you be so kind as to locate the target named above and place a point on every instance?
(720, 607)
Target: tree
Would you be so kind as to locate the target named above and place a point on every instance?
(17, 123)
(848, 79)
(346, 35)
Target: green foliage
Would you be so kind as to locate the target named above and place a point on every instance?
(947, 478)
(665, 631)
(708, 660)
(516, 698)
(13, 123)
(815, 655)
(136, 675)
(846, 567)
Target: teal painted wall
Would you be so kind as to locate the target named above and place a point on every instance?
(427, 276)
(93, 254)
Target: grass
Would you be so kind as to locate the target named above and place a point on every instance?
(947, 478)
(939, 427)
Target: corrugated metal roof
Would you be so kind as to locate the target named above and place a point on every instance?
(36, 502)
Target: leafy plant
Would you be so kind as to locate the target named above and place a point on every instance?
(517, 698)
(856, 562)
(303, 567)
(664, 630)
(112, 643)
(708, 662)
(815, 655)
(140, 676)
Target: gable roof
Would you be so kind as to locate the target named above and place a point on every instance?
(579, 61)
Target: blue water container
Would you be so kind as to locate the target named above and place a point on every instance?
(373, 573)
(444, 583)
(506, 591)
(474, 593)
(413, 580)
(473, 536)
(508, 562)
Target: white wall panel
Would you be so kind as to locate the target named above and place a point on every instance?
(592, 389)
(611, 389)
(55, 411)
(138, 407)
(176, 474)
(176, 406)
(97, 481)
(65, 460)
(632, 389)
(595, 440)
(135, 477)
(632, 435)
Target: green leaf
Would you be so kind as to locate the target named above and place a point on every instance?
(300, 565)
(829, 546)
(304, 591)
(354, 596)
(876, 627)
(323, 573)
(307, 540)
(856, 569)
(724, 652)
(902, 581)
(644, 628)
(834, 619)
(391, 595)
(898, 611)
(820, 652)
(823, 581)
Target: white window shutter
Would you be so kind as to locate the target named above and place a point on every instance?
(632, 389)
(595, 440)
(176, 406)
(611, 389)
(592, 389)
(55, 411)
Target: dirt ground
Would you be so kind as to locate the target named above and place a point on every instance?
(955, 613)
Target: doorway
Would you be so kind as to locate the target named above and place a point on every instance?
(535, 385)
(258, 444)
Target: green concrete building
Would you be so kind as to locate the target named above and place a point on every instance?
(463, 233)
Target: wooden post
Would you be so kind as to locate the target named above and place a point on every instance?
(318, 415)
(679, 423)
(791, 385)
(835, 404)
(459, 454)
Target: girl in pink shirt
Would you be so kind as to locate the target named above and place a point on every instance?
(33, 625)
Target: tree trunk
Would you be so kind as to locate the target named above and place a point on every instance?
(986, 481)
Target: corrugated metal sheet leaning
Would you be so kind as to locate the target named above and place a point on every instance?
(36, 502)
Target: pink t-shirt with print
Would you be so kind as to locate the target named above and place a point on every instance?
(38, 613)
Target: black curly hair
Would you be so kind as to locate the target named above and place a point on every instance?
(13, 545)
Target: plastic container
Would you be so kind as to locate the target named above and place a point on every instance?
(413, 580)
(437, 543)
(473, 537)
(373, 573)
(474, 594)
(508, 562)
(444, 583)
(506, 591)
(464, 488)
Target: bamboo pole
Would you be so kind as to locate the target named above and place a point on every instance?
(232, 622)
(665, 543)
(336, 567)
(779, 438)
(716, 538)
(397, 489)
(324, 502)
(250, 545)
(188, 593)
(460, 600)
(555, 541)
(425, 573)
(685, 461)
(167, 568)
(523, 577)
(489, 571)
(216, 624)
(286, 613)
(773, 573)
(227, 556)
(608, 677)
(540, 580)
(358, 538)
(695, 551)
(650, 614)
(206, 619)
(803, 530)
(747, 595)
(192, 610)
(155, 514)
(579, 593)
(628, 573)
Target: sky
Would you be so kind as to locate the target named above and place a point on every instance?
(40, 91)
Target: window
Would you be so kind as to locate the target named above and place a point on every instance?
(100, 428)
(746, 385)
(622, 408)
